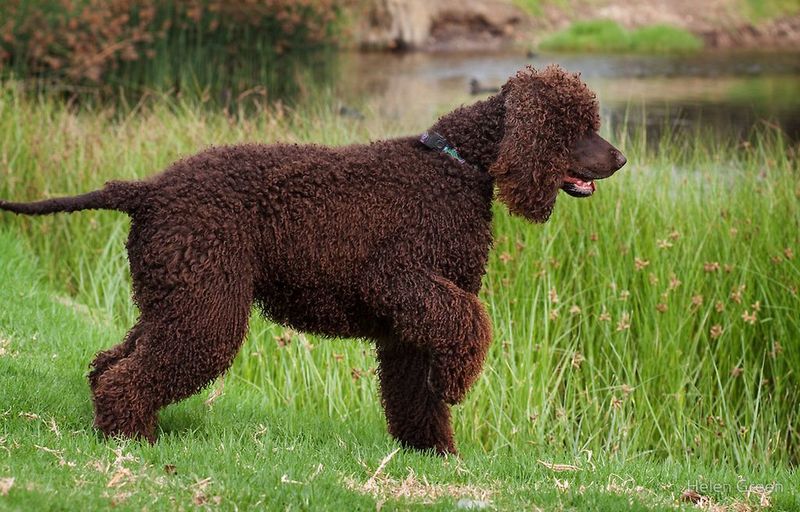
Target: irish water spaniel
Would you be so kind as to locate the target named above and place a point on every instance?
(386, 241)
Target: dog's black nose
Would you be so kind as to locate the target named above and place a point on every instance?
(620, 159)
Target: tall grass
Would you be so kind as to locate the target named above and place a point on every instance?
(658, 317)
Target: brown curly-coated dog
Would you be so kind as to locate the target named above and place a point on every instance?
(386, 241)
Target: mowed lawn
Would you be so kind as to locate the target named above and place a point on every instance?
(645, 355)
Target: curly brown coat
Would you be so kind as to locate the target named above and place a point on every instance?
(386, 241)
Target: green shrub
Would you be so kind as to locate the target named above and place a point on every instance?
(171, 44)
(609, 36)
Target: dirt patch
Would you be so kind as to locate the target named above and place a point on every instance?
(720, 24)
(779, 33)
(679, 13)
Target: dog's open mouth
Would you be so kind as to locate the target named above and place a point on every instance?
(577, 187)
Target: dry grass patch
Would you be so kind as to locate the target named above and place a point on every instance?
(5, 485)
(5, 347)
(418, 489)
(756, 497)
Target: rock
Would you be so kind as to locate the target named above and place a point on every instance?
(440, 25)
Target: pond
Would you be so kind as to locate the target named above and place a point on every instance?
(724, 93)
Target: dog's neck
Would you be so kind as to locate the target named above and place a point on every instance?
(475, 131)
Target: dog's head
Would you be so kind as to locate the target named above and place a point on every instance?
(550, 142)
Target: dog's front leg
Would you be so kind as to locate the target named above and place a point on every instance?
(453, 326)
(445, 333)
(415, 416)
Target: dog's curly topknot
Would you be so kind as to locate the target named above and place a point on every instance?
(545, 112)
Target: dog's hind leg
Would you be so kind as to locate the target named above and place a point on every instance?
(107, 358)
(415, 416)
(180, 348)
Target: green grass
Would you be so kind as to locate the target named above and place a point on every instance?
(243, 451)
(769, 9)
(536, 7)
(533, 7)
(601, 359)
(609, 36)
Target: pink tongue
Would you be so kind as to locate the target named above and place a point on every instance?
(581, 183)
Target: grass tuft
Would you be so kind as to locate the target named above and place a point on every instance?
(770, 9)
(609, 36)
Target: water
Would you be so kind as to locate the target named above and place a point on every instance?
(725, 93)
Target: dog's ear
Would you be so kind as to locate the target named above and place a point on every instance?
(545, 113)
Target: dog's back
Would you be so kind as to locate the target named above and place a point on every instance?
(311, 219)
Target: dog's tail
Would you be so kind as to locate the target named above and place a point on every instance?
(124, 196)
